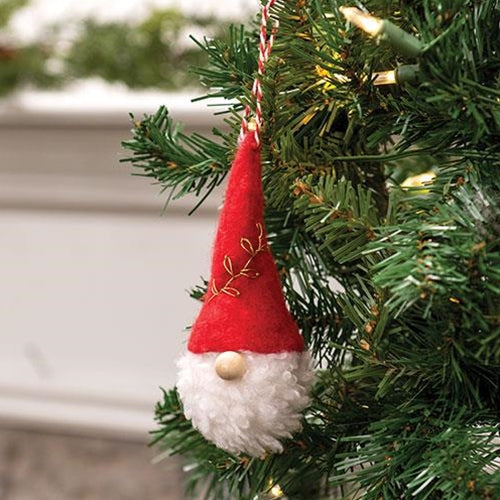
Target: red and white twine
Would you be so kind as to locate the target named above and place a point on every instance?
(265, 47)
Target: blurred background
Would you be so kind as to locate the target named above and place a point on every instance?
(94, 272)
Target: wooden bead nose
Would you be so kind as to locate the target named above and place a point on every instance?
(230, 365)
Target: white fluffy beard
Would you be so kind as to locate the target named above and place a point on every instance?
(252, 414)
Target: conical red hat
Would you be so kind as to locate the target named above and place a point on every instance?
(244, 308)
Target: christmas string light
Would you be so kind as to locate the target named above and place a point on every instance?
(385, 78)
(369, 24)
(407, 73)
(382, 29)
(420, 180)
(276, 491)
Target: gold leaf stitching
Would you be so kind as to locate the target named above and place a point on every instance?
(250, 273)
(228, 265)
(228, 290)
(261, 231)
(245, 271)
(246, 244)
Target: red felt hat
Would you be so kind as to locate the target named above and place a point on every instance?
(244, 308)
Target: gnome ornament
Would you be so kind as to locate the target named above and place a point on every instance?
(245, 378)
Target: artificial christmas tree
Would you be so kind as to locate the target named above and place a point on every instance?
(391, 275)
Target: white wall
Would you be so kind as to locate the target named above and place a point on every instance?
(93, 280)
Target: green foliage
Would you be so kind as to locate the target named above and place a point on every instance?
(231, 63)
(25, 66)
(396, 288)
(180, 163)
(149, 54)
(22, 65)
(8, 8)
(436, 455)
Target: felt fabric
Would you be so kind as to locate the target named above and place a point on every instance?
(244, 307)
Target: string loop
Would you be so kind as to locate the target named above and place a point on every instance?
(265, 47)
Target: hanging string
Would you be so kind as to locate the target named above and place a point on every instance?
(265, 47)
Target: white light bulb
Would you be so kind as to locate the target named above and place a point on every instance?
(276, 491)
(370, 24)
(385, 78)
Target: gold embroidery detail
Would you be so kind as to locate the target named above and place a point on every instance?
(245, 271)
